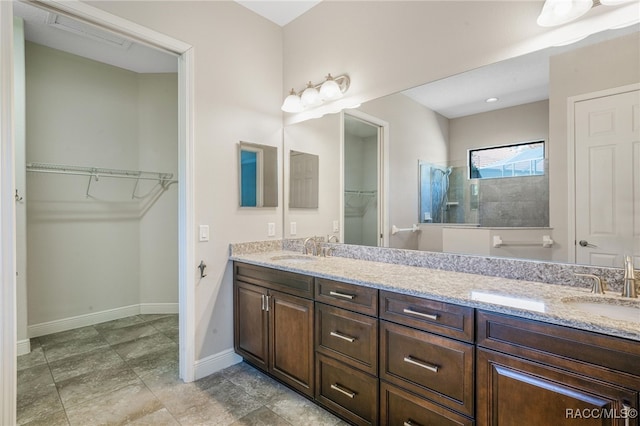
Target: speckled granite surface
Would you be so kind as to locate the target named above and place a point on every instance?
(530, 298)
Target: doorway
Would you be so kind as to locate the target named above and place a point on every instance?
(363, 177)
(607, 178)
(96, 17)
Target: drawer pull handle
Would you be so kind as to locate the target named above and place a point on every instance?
(410, 423)
(344, 296)
(346, 392)
(342, 336)
(429, 367)
(420, 314)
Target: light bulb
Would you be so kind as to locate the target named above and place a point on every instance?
(330, 90)
(292, 103)
(310, 97)
(558, 12)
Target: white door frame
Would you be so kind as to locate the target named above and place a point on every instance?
(571, 156)
(383, 173)
(186, 250)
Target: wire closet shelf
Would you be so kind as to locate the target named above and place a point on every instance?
(95, 173)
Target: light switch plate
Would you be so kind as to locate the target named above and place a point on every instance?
(293, 228)
(204, 233)
(336, 226)
(271, 229)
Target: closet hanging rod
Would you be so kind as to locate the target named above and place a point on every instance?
(97, 172)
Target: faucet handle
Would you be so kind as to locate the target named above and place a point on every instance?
(599, 285)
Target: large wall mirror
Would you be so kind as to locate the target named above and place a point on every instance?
(433, 128)
(258, 175)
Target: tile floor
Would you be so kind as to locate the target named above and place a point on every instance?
(126, 372)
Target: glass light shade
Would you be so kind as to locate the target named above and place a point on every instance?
(330, 90)
(558, 12)
(292, 103)
(614, 2)
(310, 97)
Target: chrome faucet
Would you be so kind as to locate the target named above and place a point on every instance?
(334, 238)
(599, 285)
(314, 248)
(629, 287)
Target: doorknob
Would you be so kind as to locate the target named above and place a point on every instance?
(585, 243)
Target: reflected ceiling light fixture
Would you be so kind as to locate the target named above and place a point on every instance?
(316, 94)
(558, 12)
(490, 100)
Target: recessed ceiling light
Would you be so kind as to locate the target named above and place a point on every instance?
(489, 100)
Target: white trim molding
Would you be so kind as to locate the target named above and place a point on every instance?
(215, 363)
(8, 318)
(64, 324)
(23, 347)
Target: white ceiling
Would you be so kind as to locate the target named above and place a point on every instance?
(58, 32)
(280, 12)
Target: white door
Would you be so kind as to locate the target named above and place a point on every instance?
(607, 190)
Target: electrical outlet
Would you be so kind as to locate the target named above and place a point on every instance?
(336, 226)
(271, 229)
(293, 228)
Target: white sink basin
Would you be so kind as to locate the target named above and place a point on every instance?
(294, 258)
(617, 309)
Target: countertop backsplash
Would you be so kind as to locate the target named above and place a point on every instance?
(517, 269)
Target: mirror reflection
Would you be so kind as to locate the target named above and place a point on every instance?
(258, 175)
(303, 180)
(527, 215)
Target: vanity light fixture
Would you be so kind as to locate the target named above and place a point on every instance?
(316, 94)
(558, 12)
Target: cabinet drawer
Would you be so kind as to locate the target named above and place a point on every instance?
(557, 344)
(428, 315)
(349, 392)
(432, 366)
(287, 282)
(348, 296)
(350, 337)
(399, 407)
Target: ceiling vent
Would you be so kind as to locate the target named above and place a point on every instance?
(89, 31)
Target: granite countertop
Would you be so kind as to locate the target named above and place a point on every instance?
(526, 299)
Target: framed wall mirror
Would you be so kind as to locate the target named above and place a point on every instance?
(258, 175)
(443, 135)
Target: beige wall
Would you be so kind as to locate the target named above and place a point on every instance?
(92, 254)
(238, 69)
(602, 66)
(389, 46)
(320, 137)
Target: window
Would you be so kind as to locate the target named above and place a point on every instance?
(523, 159)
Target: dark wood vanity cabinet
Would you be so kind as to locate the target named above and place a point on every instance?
(273, 317)
(383, 358)
(347, 350)
(427, 361)
(542, 374)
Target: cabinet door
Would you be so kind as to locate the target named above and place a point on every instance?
(514, 391)
(251, 325)
(291, 343)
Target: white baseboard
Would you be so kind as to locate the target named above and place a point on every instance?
(93, 318)
(159, 308)
(216, 362)
(24, 347)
